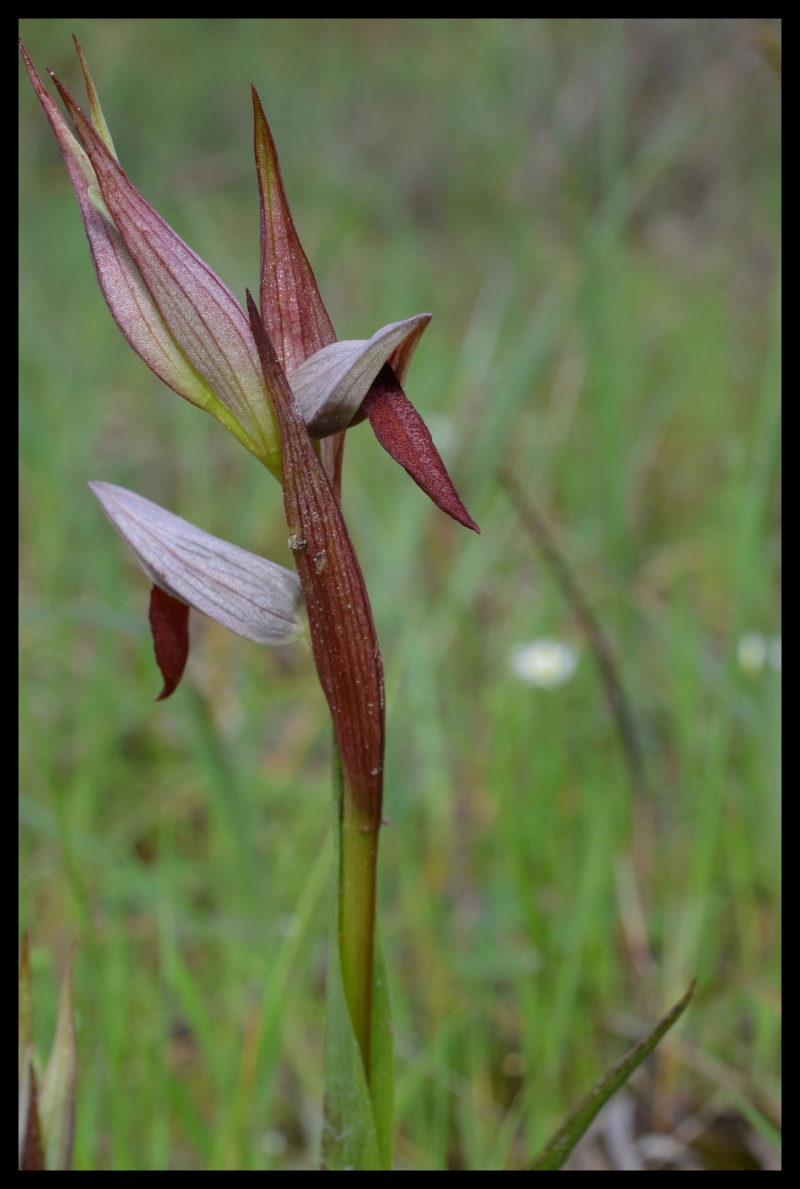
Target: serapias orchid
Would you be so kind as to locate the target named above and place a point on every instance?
(281, 383)
(181, 318)
(188, 327)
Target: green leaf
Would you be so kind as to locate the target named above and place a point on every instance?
(57, 1100)
(357, 1116)
(555, 1153)
(349, 1138)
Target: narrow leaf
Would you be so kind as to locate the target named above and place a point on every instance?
(401, 431)
(357, 1113)
(251, 596)
(295, 318)
(331, 385)
(381, 1056)
(349, 1139)
(169, 623)
(342, 631)
(31, 1145)
(57, 1103)
(555, 1154)
(31, 1150)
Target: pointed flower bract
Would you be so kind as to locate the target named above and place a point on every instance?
(340, 622)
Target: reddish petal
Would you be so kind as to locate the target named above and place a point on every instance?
(401, 431)
(169, 623)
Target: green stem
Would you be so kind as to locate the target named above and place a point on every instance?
(357, 928)
(358, 858)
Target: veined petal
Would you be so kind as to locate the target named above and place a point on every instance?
(294, 315)
(201, 314)
(255, 598)
(331, 385)
(340, 622)
(127, 296)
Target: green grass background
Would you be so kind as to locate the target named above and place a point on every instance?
(590, 209)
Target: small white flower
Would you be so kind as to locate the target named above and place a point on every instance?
(752, 653)
(545, 663)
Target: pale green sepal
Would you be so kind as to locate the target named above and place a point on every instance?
(331, 384)
(57, 1099)
(555, 1154)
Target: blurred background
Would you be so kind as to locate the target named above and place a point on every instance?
(590, 209)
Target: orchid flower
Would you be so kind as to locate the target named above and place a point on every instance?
(185, 323)
(182, 319)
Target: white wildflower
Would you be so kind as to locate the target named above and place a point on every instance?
(545, 663)
(752, 653)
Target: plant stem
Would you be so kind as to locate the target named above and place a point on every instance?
(357, 926)
(358, 858)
